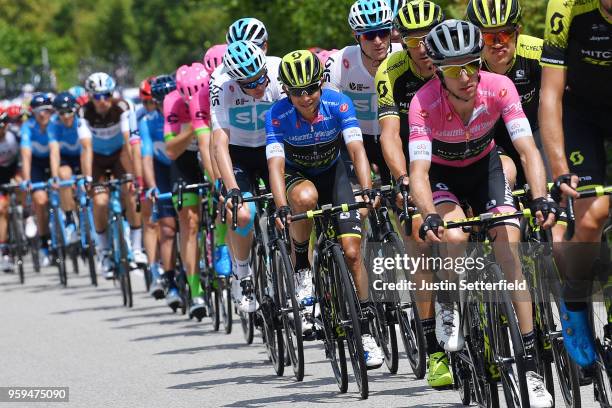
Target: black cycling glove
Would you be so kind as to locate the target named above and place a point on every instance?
(431, 222)
(555, 191)
(546, 206)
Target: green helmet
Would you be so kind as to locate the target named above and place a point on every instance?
(493, 13)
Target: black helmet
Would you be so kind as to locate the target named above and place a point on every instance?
(162, 86)
(64, 101)
(40, 101)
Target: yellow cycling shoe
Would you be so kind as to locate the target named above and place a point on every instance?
(438, 375)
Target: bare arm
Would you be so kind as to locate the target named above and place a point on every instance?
(361, 163)
(204, 147)
(86, 157)
(532, 164)
(222, 156)
(148, 171)
(550, 117)
(178, 144)
(26, 163)
(276, 169)
(137, 159)
(420, 189)
(391, 144)
(54, 158)
(213, 160)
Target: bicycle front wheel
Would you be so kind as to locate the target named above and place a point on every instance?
(348, 306)
(124, 265)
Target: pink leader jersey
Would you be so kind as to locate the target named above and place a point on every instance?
(199, 110)
(177, 115)
(437, 133)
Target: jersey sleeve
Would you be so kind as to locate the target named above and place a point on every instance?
(274, 134)
(419, 142)
(333, 72)
(384, 91)
(199, 110)
(348, 120)
(26, 136)
(218, 110)
(556, 34)
(127, 121)
(172, 126)
(145, 137)
(83, 130)
(53, 132)
(511, 110)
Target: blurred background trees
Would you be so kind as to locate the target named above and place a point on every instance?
(57, 43)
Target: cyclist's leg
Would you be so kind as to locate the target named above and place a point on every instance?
(69, 167)
(166, 216)
(40, 173)
(100, 198)
(134, 218)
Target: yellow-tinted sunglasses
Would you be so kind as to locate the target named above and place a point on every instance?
(414, 42)
(454, 71)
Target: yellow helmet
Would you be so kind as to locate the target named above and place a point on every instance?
(493, 13)
(418, 15)
(299, 69)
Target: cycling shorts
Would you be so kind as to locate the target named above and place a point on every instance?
(74, 162)
(249, 164)
(7, 173)
(186, 168)
(41, 169)
(481, 185)
(585, 133)
(101, 163)
(165, 208)
(373, 149)
(333, 187)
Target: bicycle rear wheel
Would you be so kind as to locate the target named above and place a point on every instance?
(60, 250)
(34, 248)
(124, 265)
(226, 304)
(89, 249)
(509, 352)
(348, 307)
(602, 329)
(288, 303)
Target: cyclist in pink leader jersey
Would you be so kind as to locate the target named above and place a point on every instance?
(453, 158)
(184, 139)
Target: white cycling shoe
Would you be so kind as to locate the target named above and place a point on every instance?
(539, 397)
(448, 324)
(373, 354)
(105, 265)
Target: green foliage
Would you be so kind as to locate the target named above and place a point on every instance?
(154, 36)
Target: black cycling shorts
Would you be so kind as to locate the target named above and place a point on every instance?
(74, 162)
(481, 185)
(334, 188)
(186, 168)
(584, 144)
(7, 173)
(249, 165)
(40, 170)
(373, 149)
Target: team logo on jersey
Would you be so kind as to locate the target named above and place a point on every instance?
(520, 74)
(231, 88)
(345, 63)
(503, 92)
(275, 122)
(344, 107)
(172, 118)
(424, 113)
(357, 87)
(577, 158)
(556, 23)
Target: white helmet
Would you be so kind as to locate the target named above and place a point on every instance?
(100, 82)
(370, 15)
(244, 60)
(247, 29)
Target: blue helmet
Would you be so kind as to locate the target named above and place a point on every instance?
(40, 101)
(244, 60)
(65, 101)
(395, 6)
(370, 15)
(162, 86)
(247, 29)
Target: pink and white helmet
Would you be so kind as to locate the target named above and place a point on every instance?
(214, 57)
(325, 54)
(190, 79)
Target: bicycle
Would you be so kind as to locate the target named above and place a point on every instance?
(493, 349)
(600, 313)
(340, 314)
(268, 316)
(17, 244)
(544, 285)
(383, 241)
(86, 227)
(57, 225)
(118, 228)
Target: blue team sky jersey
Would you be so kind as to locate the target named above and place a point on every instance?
(34, 139)
(68, 138)
(312, 147)
(151, 129)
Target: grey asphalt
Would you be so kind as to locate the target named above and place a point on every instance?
(109, 356)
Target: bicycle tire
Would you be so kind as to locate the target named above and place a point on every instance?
(602, 369)
(34, 248)
(461, 380)
(74, 257)
(60, 250)
(247, 321)
(17, 248)
(272, 333)
(89, 250)
(348, 305)
(215, 303)
(124, 265)
(226, 305)
(147, 277)
(291, 319)
(333, 343)
(507, 343)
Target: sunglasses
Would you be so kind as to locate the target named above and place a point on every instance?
(149, 102)
(414, 42)
(252, 85)
(305, 91)
(500, 37)
(454, 71)
(382, 34)
(66, 112)
(102, 96)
